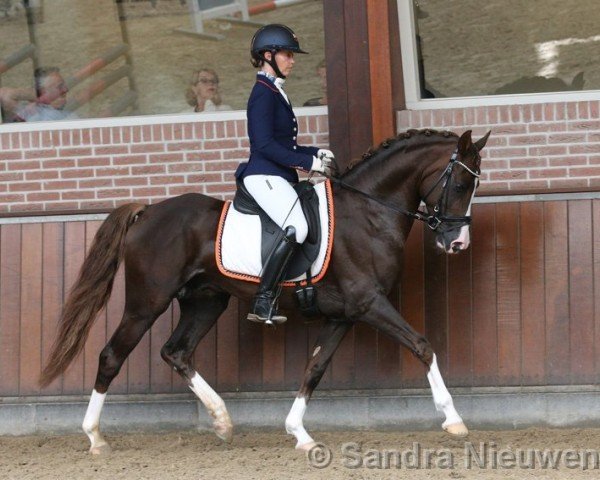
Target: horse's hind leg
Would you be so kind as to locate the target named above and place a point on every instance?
(134, 324)
(329, 338)
(200, 309)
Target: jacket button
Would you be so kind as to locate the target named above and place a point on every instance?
(294, 138)
(295, 129)
(295, 147)
(294, 120)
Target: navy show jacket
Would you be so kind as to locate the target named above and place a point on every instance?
(273, 130)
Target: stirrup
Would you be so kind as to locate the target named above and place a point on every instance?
(264, 310)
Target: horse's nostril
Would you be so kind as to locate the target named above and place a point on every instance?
(457, 246)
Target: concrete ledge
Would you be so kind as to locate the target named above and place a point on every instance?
(490, 408)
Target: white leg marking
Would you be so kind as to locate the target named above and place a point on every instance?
(91, 423)
(294, 425)
(443, 401)
(215, 406)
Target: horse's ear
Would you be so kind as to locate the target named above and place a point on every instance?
(465, 142)
(479, 144)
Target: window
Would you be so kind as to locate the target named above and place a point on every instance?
(142, 57)
(470, 52)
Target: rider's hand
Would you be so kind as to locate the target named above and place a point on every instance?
(322, 165)
(323, 152)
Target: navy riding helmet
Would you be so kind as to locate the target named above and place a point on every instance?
(273, 38)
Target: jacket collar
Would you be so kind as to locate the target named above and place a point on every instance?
(267, 81)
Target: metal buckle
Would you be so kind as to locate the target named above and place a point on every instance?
(433, 222)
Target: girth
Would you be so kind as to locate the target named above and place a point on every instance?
(271, 233)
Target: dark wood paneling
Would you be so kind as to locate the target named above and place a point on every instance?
(581, 290)
(485, 335)
(508, 290)
(31, 309)
(556, 247)
(533, 313)
(520, 308)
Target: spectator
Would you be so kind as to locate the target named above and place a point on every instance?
(203, 92)
(322, 73)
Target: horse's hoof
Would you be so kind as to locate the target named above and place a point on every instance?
(457, 429)
(101, 450)
(306, 447)
(224, 431)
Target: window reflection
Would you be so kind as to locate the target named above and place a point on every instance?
(130, 58)
(507, 46)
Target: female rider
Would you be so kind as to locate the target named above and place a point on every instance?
(274, 158)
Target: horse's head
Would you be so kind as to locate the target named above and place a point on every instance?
(448, 192)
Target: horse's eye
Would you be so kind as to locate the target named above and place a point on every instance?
(459, 188)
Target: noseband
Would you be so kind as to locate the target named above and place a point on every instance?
(436, 219)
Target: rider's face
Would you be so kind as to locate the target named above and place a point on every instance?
(285, 61)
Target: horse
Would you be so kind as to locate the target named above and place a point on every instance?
(168, 251)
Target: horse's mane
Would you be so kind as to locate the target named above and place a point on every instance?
(404, 139)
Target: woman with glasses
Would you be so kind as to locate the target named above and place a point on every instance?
(203, 92)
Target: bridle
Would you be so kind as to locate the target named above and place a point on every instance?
(435, 219)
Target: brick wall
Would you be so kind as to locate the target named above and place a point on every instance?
(92, 168)
(541, 146)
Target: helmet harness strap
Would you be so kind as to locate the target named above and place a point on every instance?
(272, 63)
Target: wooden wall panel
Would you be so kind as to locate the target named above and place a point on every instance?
(520, 308)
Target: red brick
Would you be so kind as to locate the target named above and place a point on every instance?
(569, 183)
(111, 150)
(229, 154)
(113, 193)
(23, 165)
(220, 166)
(220, 188)
(105, 135)
(130, 181)
(508, 129)
(26, 207)
(585, 148)
(96, 204)
(78, 195)
(147, 148)
(527, 140)
(178, 132)
(184, 146)
(585, 125)
(15, 140)
(65, 138)
(11, 155)
(148, 169)
(583, 110)
(115, 133)
(60, 185)
(594, 160)
(165, 157)
(201, 156)
(567, 161)
(59, 163)
(584, 171)
(11, 177)
(508, 175)
(43, 196)
(112, 171)
(130, 160)
(77, 173)
(76, 136)
(75, 152)
(61, 206)
(11, 198)
(528, 185)
(546, 127)
(96, 182)
(220, 144)
(25, 187)
(45, 153)
(156, 133)
(149, 192)
(567, 138)
(542, 151)
(167, 179)
(185, 167)
(530, 162)
(93, 162)
(205, 178)
(506, 152)
(548, 173)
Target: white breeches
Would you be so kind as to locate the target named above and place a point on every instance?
(279, 199)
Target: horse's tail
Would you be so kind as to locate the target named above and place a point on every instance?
(91, 291)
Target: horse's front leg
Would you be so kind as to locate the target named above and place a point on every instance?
(329, 338)
(381, 314)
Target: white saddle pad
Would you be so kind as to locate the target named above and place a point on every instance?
(238, 248)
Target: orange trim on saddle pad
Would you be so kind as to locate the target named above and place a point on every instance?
(256, 279)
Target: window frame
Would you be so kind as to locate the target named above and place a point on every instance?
(408, 49)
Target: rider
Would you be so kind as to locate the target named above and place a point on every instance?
(274, 157)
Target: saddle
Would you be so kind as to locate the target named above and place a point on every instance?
(271, 233)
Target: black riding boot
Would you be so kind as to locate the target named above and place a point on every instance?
(264, 305)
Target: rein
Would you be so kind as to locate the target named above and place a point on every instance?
(434, 220)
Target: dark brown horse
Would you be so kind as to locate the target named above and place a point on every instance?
(169, 252)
